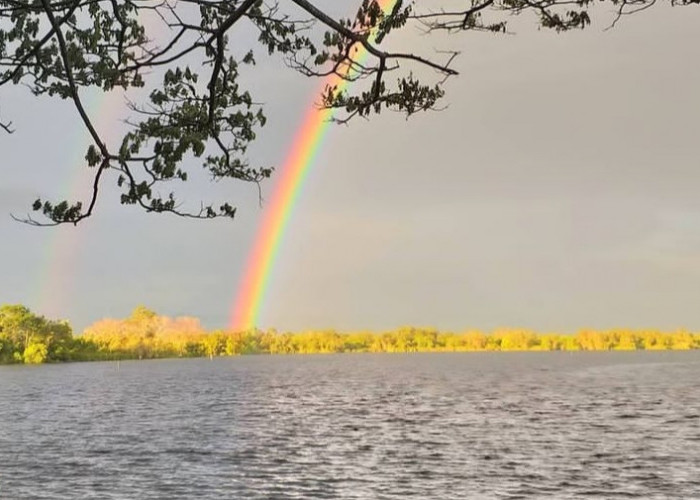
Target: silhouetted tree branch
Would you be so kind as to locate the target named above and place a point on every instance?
(62, 48)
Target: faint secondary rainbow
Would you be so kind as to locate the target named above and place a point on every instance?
(56, 278)
(290, 181)
(57, 274)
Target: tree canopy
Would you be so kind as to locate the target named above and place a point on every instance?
(28, 338)
(195, 107)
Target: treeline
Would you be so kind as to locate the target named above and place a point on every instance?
(28, 338)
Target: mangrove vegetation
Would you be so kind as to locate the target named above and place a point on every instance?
(26, 337)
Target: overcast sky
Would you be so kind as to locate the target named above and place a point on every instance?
(558, 190)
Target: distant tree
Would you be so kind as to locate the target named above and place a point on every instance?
(652, 339)
(681, 340)
(35, 353)
(592, 340)
(425, 339)
(214, 344)
(195, 107)
(145, 334)
(277, 343)
(142, 315)
(235, 344)
(19, 325)
(626, 340)
(474, 341)
(23, 333)
(550, 342)
(516, 340)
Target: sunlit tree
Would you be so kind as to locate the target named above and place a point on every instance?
(27, 336)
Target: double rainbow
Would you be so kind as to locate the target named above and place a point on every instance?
(290, 181)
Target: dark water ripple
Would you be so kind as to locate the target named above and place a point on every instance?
(447, 426)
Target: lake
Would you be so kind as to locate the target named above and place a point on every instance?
(372, 426)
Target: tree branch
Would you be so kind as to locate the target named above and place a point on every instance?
(71, 81)
(35, 50)
(200, 109)
(362, 40)
(7, 127)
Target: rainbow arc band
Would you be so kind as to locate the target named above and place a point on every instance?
(290, 182)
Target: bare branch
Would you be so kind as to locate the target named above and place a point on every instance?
(7, 127)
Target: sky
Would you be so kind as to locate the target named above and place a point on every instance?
(557, 190)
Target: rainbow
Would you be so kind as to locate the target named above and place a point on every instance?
(290, 181)
(56, 274)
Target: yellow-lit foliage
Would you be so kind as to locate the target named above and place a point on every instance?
(144, 334)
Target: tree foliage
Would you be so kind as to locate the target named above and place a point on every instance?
(28, 338)
(196, 342)
(188, 58)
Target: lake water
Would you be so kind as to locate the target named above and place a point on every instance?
(370, 426)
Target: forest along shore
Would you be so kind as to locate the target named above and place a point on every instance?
(28, 338)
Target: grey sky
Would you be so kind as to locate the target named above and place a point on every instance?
(558, 190)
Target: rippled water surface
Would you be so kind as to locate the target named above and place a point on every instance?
(487, 425)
